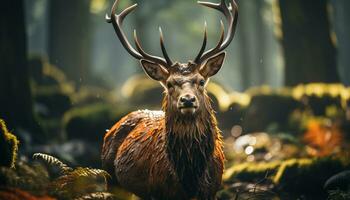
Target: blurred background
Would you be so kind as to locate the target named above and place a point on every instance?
(282, 97)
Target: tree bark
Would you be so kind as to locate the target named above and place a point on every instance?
(310, 55)
(15, 99)
(341, 15)
(69, 37)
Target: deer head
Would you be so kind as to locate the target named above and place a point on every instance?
(184, 83)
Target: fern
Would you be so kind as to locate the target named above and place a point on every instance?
(82, 182)
(51, 160)
(338, 195)
(97, 196)
(72, 183)
(90, 172)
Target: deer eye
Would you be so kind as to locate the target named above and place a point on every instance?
(202, 82)
(169, 85)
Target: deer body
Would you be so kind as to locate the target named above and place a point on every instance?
(175, 153)
(153, 162)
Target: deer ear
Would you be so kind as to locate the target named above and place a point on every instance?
(213, 65)
(154, 70)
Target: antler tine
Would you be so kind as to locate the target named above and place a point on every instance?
(233, 23)
(165, 54)
(117, 21)
(147, 56)
(125, 12)
(204, 44)
(222, 35)
(231, 14)
(216, 6)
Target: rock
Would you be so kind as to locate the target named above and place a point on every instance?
(91, 122)
(338, 181)
(264, 110)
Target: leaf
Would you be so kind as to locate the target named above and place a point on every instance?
(51, 160)
(97, 196)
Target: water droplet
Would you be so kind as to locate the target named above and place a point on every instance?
(249, 150)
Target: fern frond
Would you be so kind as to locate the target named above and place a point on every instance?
(97, 196)
(51, 160)
(89, 172)
(81, 181)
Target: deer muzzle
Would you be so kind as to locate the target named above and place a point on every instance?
(187, 104)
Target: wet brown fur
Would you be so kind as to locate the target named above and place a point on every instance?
(175, 153)
(164, 155)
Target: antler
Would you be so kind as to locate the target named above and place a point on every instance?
(117, 21)
(231, 14)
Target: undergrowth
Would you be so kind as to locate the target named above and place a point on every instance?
(78, 183)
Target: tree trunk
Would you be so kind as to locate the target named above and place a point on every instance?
(69, 37)
(242, 31)
(341, 15)
(310, 55)
(15, 99)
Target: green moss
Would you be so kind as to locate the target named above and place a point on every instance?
(92, 94)
(309, 175)
(289, 164)
(91, 121)
(295, 176)
(251, 171)
(8, 146)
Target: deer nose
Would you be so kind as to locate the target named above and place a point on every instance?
(188, 100)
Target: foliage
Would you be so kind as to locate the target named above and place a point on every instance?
(71, 183)
(75, 183)
(322, 140)
(32, 178)
(338, 195)
(8, 146)
(52, 161)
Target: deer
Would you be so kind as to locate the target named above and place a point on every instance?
(177, 152)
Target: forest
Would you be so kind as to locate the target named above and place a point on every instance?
(281, 99)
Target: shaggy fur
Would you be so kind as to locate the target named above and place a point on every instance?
(163, 155)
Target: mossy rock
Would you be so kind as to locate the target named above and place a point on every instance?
(319, 104)
(304, 176)
(231, 117)
(87, 95)
(250, 171)
(51, 102)
(307, 176)
(141, 90)
(36, 68)
(45, 74)
(272, 108)
(8, 146)
(91, 122)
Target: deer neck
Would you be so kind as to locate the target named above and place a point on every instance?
(190, 144)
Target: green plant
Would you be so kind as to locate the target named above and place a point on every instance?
(76, 183)
(8, 146)
(338, 195)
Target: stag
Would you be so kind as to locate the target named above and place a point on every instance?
(175, 153)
